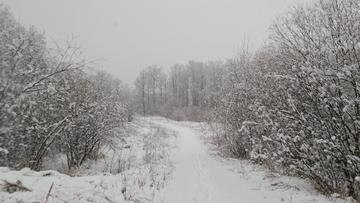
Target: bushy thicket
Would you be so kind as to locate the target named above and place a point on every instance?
(49, 101)
(295, 104)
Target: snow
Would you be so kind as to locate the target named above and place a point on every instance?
(104, 188)
(201, 176)
(160, 169)
(4, 150)
(133, 168)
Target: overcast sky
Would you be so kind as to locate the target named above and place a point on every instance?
(133, 34)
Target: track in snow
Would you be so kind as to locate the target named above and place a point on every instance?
(198, 177)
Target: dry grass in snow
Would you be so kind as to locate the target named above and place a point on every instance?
(134, 166)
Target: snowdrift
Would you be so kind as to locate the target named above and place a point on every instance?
(51, 186)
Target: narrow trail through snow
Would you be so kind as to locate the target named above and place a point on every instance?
(198, 177)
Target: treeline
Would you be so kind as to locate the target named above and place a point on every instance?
(186, 92)
(294, 105)
(51, 101)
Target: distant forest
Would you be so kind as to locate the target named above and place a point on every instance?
(187, 92)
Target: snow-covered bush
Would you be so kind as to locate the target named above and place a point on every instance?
(29, 73)
(96, 110)
(294, 105)
(321, 42)
(49, 101)
(239, 94)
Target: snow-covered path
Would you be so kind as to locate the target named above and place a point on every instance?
(198, 177)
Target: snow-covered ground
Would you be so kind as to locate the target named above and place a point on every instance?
(51, 186)
(162, 161)
(133, 167)
(202, 176)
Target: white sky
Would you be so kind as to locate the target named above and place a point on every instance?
(133, 34)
